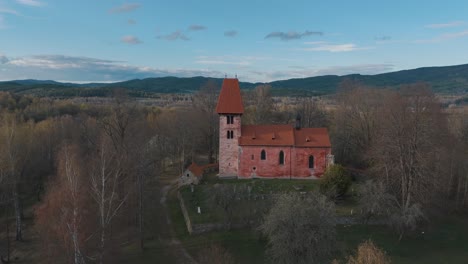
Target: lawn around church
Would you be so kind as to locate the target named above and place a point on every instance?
(442, 242)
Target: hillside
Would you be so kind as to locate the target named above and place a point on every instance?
(445, 80)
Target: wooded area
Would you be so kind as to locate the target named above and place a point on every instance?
(83, 171)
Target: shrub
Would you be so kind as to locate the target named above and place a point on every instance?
(368, 253)
(335, 181)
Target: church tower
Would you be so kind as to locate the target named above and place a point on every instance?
(230, 110)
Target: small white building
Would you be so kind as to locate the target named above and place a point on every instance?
(192, 175)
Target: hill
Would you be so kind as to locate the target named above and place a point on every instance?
(444, 80)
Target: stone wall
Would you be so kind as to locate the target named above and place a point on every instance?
(228, 147)
(188, 223)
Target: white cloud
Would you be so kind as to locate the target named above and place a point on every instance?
(444, 37)
(445, 25)
(323, 46)
(229, 60)
(82, 69)
(131, 40)
(304, 72)
(30, 2)
(3, 59)
(8, 11)
(2, 23)
(124, 8)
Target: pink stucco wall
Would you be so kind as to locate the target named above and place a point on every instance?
(296, 162)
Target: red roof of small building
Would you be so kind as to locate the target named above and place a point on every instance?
(230, 100)
(283, 135)
(195, 169)
(198, 170)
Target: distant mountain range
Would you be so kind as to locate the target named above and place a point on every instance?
(446, 79)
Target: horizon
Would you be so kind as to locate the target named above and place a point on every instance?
(87, 41)
(224, 77)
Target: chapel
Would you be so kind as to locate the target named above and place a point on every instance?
(267, 151)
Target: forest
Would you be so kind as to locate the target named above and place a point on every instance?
(79, 180)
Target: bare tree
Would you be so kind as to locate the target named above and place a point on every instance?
(204, 101)
(61, 219)
(16, 141)
(355, 124)
(226, 196)
(312, 113)
(259, 104)
(308, 236)
(374, 200)
(405, 153)
(106, 177)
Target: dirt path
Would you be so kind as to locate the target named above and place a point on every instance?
(169, 237)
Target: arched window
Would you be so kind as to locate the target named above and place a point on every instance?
(311, 162)
(263, 155)
(232, 134)
(228, 134)
(281, 158)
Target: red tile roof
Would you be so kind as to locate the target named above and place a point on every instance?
(311, 137)
(271, 135)
(283, 135)
(230, 100)
(196, 170)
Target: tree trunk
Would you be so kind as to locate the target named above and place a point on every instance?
(140, 187)
(7, 225)
(17, 205)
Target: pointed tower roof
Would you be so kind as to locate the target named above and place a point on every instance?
(230, 100)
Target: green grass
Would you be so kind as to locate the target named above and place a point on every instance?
(443, 242)
(266, 186)
(245, 245)
(202, 196)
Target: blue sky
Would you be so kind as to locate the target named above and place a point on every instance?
(260, 41)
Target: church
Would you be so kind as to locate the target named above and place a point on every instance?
(267, 151)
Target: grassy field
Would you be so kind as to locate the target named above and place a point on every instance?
(444, 241)
(203, 193)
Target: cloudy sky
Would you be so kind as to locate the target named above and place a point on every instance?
(113, 40)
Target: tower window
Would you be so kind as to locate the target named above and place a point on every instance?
(311, 162)
(230, 134)
(253, 157)
(230, 119)
(281, 158)
(263, 155)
